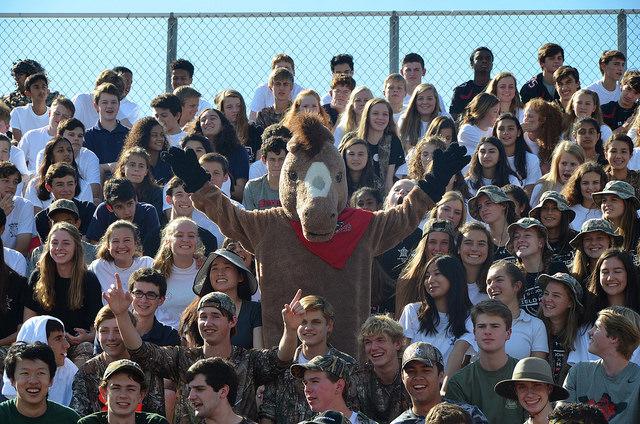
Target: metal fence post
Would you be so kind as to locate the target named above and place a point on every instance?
(394, 42)
(622, 32)
(172, 47)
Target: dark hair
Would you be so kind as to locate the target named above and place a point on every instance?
(216, 158)
(242, 287)
(53, 325)
(502, 168)
(608, 55)
(572, 191)
(8, 169)
(595, 124)
(375, 193)
(47, 162)
(107, 88)
(276, 130)
(274, 145)
(342, 79)
(146, 189)
(565, 72)
(197, 137)
(458, 303)
(448, 413)
(57, 170)
(5, 271)
(26, 67)
(481, 281)
(118, 190)
(492, 307)
(521, 147)
(413, 57)
(149, 275)
(515, 273)
(173, 183)
(68, 125)
(367, 174)
(188, 324)
(595, 296)
(168, 101)
(21, 351)
(577, 413)
(122, 70)
(217, 373)
(341, 59)
(480, 49)
(140, 134)
(32, 79)
(548, 50)
(520, 197)
(184, 65)
(226, 141)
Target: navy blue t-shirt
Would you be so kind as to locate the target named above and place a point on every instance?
(106, 144)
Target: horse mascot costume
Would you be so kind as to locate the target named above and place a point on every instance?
(313, 241)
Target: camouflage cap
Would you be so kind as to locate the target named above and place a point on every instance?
(558, 199)
(123, 365)
(595, 225)
(328, 417)
(567, 280)
(439, 226)
(621, 189)
(422, 352)
(526, 223)
(494, 193)
(65, 205)
(328, 363)
(218, 300)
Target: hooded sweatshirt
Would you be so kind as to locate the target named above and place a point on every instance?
(35, 330)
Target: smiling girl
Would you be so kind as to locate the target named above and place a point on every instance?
(554, 213)
(149, 134)
(475, 250)
(504, 87)
(589, 178)
(232, 104)
(489, 166)
(478, 119)
(542, 127)
(618, 151)
(595, 236)
(585, 104)
(423, 107)
(350, 119)
(135, 165)
(493, 207)
(359, 168)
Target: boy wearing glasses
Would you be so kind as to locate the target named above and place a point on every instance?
(86, 396)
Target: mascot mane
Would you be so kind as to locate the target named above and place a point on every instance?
(309, 134)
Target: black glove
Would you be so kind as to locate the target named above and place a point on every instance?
(186, 167)
(444, 165)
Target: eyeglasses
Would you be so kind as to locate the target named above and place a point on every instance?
(138, 294)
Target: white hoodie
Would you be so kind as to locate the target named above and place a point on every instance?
(35, 330)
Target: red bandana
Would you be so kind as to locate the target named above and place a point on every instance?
(351, 225)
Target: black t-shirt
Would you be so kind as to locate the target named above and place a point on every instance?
(86, 210)
(396, 155)
(250, 317)
(79, 318)
(532, 290)
(557, 358)
(535, 88)
(13, 301)
(462, 95)
(332, 112)
(253, 142)
(615, 115)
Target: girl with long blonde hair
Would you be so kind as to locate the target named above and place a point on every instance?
(350, 118)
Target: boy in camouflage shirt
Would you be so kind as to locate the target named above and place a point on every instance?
(283, 398)
(217, 318)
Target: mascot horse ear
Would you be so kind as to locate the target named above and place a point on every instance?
(309, 134)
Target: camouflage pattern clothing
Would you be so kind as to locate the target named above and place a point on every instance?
(16, 99)
(283, 400)
(269, 116)
(379, 401)
(86, 398)
(408, 417)
(254, 368)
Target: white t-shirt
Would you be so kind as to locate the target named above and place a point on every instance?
(129, 111)
(263, 97)
(174, 139)
(443, 107)
(533, 146)
(19, 221)
(470, 135)
(474, 294)
(528, 334)
(16, 157)
(179, 295)
(33, 142)
(582, 214)
(88, 165)
(31, 194)
(203, 221)
(634, 163)
(633, 133)
(605, 96)
(443, 340)
(202, 105)
(226, 189)
(105, 270)
(257, 169)
(87, 114)
(338, 133)
(15, 261)
(25, 119)
(532, 164)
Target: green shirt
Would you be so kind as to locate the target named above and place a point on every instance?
(55, 413)
(474, 385)
(141, 418)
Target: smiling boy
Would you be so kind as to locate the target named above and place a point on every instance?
(31, 369)
(33, 115)
(611, 64)
(550, 58)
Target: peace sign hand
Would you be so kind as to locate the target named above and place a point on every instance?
(293, 312)
(118, 299)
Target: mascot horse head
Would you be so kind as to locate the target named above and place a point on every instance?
(313, 184)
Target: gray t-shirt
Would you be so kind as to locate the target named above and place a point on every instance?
(258, 195)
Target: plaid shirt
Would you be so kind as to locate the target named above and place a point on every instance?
(254, 368)
(283, 399)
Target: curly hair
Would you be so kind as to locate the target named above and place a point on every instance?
(572, 191)
(140, 134)
(416, 169)
(550, 126)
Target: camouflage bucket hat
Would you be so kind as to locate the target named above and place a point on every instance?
(558, 199)
(595, 225)
(422, 352)
(218, 300)
(494, 193)
(526, 223)
(567, 280)
(439, 226)
(621, 189)
(328, 363)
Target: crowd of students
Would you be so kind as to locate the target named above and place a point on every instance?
(516, 298)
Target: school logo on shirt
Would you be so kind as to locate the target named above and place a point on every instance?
(606, 405)
(403, 254)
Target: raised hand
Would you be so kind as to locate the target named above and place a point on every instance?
(118, 299)
(444, 166)
(186, 167)
(293, 312)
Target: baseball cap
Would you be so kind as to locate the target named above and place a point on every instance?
(422, 352)
(328, 363)
(218, 300)
(123, 365)
(63, 205)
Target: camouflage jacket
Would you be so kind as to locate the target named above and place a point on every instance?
(379, 401)
(283, 399)
(477, 417)
(254, 368)
(16, 99)
(86, 398)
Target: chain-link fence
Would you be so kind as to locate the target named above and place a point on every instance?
(235, 50)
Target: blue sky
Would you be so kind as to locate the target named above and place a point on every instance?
(157, 6)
